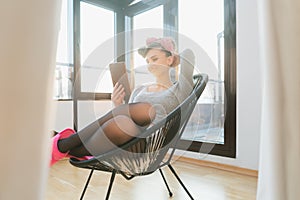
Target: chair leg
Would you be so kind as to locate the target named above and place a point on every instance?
(162, 175)
(181, 183)
(112, 178)
(86, 184)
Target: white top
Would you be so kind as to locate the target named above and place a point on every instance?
(167, 100)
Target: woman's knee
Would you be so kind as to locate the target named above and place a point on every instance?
(143, 114)
(120, 129)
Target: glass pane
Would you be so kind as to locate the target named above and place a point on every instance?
(96, 48)
(147, 24)
(64, 54)
(63, 85)
(207, 122)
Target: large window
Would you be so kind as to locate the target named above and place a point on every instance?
(208, 37)
(215, 37)
(145, 22)
(64, 56)
(96, 32)
(98, 24)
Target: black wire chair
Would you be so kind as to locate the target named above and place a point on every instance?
(146, 153)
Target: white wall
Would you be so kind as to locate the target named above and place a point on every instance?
(249, 84)
(88, 112)
(248, 91)
(64, 115)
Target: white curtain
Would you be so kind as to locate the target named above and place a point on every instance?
(28, 35)
(279, 168)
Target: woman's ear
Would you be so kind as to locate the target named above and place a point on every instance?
(176, 60)
(170, 61)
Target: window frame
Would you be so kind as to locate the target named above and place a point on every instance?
(228, 149)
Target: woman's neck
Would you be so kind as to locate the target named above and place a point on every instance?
(164, 81)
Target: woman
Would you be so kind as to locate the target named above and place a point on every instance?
(147, 104)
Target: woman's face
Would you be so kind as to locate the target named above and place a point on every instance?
(158, 62)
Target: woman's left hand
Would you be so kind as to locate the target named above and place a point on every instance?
(118, 94)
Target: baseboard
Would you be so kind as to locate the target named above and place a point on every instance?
(225, 167)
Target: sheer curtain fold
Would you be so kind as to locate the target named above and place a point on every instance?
(279, 168)
(28, 40)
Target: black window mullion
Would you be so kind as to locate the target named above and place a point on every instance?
(77, 62)
(171, 19)
(120, 36)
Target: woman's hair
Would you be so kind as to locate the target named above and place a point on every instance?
(166, 45)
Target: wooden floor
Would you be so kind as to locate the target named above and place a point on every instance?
(66, 183)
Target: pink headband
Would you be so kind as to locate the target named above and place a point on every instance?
(166, 43)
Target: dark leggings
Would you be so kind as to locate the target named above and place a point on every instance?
(114, 128)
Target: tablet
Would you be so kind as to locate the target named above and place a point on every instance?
(118, 74)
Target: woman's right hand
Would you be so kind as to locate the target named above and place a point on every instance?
(118, 95)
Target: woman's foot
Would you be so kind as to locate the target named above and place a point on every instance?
(56, 154)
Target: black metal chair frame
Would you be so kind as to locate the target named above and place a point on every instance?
(146, 153)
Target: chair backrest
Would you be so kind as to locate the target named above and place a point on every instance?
(144, 154)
